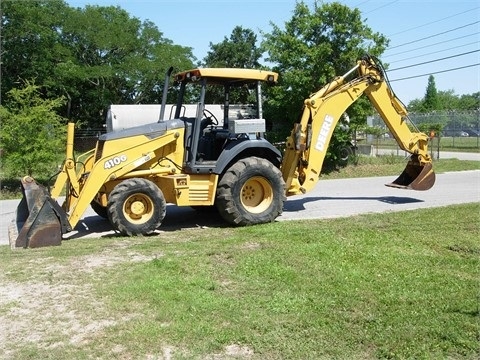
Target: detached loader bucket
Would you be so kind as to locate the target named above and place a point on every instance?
(415, 177)
(39, 221)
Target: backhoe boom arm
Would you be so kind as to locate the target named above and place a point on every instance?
(307, 145)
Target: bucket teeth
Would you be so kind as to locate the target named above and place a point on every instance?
(40, 221)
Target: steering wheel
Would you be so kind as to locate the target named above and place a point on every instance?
(209, 115)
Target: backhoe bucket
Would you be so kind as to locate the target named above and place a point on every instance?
(39, 221)
(415, 177)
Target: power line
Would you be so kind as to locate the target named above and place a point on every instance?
(434, 52)
(363, 2)
(433, 22)
(432, 36)
(432, 61)
(438, 43)
(436, 72)
(381, 7)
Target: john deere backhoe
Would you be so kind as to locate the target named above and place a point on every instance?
(198, 161)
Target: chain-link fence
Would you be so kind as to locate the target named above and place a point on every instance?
(459, 129)
(86, 140)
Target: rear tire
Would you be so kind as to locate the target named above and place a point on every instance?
(344, 155)
(136, 207)
(252, 191)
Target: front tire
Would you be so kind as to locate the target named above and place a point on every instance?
(136, 207)
(99, 209)
(252, 191)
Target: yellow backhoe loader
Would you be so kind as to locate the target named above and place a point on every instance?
(200, 161)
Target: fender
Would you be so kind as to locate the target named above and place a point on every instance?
(242, 148)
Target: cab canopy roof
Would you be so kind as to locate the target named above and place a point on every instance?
(231, 76)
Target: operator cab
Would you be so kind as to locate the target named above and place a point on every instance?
(216, 129)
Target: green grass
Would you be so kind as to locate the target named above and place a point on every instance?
(468, 144)
(381, 286)
(386, 165)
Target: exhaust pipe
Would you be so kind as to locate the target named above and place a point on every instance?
(415, 177)
(39, 221)
(165, 93)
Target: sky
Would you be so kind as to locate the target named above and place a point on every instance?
(426, 36)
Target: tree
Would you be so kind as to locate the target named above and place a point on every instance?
(30, 44)
(469, 101)
(31, 132)
(315, 46)
(239, 51)
(430, 101)
(115, 59)
(448, 100)
(94, 56)
(444, 100)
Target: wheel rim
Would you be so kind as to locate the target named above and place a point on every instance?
(138, 208)
(256, 194)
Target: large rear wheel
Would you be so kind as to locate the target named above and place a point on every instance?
(252, 191)
(136, 207)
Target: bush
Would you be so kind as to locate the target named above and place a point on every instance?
(31, 133)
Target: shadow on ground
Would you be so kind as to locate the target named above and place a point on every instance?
(299, 204)
(177, 218)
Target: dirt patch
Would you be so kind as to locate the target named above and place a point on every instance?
(54, 307)
(59, 306)
(52, 311)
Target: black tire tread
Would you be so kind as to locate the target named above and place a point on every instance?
(227, 203)
(114, 213)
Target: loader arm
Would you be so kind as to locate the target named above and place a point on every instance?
(134, 157)
(307, 145)
(41, 221)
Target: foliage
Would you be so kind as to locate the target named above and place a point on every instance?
(94, 56)
(31, 132)
(30, 40)
(428, 128)
(315, 45)
(469, 102)
(238, 51)
(431, 101)
(443, 100)
(376, 131)
(446, 100)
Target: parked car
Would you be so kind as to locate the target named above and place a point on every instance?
(455, 133)
(472, 132)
